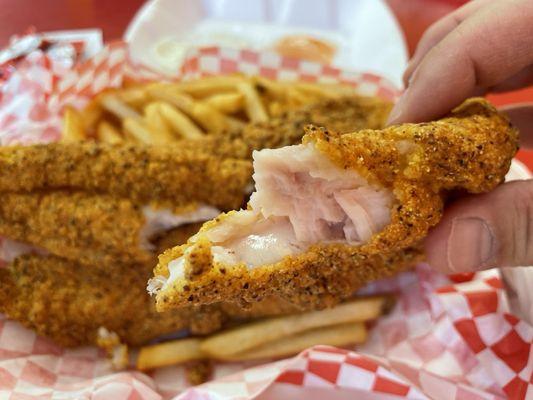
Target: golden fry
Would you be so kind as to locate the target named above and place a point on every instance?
(181, 124)
(136, 131)
(136, 97)
(209, 118)
(325, 90)
(296, 98)
(227, 103)
(116, 106)
(107, 133)
(91, 114)
(139, 131)
(169, 353)
(157, 124)
(191, 349)
(337, 335)
(252, 103)
(276, 90)
(72, 126)
(256, 334)
(209, 86)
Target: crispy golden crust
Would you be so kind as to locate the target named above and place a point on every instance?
(340, 115)
(321, 277)
(471, 150)
(69, 303)
(92, 229)
(144, 174)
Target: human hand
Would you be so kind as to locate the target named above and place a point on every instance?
(485, 46)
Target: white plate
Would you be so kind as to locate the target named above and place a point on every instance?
(365, 32)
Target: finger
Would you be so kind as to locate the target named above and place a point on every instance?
(521, 79)
(438, 31)
(489, 47)
(521, 116)
(485, 231)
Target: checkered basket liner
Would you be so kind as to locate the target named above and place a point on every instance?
(447, 337)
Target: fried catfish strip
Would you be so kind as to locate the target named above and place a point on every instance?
(338, 211)
(345, 114)
(69, 303)
(90, 228)
(164, 176)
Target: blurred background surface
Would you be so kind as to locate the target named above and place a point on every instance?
(414, 16)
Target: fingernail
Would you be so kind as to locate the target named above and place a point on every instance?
(396, 112)
(398, 109)
(470, 244)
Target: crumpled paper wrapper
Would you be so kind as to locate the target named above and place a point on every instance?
(447, 337)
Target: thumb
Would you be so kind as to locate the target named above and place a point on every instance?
(483, 231)
(521, 116)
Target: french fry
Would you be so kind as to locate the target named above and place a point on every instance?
(336, 335)
(208, 86)
(274, 337)
(113, 104)
(179, 122)
(156, 123)
(73, 130)
(227, 103)
(234, 124)
(107, 133)
(252, 335)
(135, 97)
(296, 98)
(169, 353)
(91, 114)
(185, 350)
(275, 108)
(192, 109)
(140, 132)
(252, 103)
(324, 90)
(276, 90)
(136, 131)
(206, 116)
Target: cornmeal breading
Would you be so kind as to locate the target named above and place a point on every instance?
(90, 228)
(69, 303)
(167, 176)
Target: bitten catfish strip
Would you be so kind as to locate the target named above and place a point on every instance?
(338, 210)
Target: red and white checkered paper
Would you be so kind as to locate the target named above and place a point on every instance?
(447, 337)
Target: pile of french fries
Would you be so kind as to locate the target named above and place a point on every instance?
(273, 337)
(159, 113)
